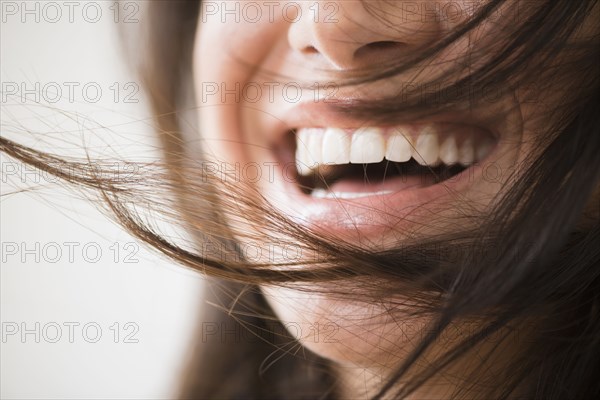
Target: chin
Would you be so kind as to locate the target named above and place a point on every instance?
(351, 334)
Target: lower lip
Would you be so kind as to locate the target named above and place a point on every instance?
(376, 212)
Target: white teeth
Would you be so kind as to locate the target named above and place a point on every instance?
(427, 148)
(305, 161)
(483, 149)
(314, 147)
(466, 152)
(368, 146)
(336, 146)
(399, 148)
(325, 194)
(449, 151)
(301, 153)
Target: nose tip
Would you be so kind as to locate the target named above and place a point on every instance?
(359, 37)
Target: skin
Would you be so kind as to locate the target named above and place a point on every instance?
(364, 341)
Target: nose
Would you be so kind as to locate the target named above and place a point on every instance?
(351, 34)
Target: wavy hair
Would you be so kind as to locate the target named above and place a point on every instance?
(532, 261)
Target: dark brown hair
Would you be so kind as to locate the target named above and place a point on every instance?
(545, 263)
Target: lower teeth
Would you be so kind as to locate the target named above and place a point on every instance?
(326, 194)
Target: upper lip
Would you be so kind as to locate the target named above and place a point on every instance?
(322, 115)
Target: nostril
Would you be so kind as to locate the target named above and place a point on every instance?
(384, 45)
(310, 50)
(380, 51)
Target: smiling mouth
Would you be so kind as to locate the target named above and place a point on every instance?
(335, 163)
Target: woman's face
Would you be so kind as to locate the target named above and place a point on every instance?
(266, 77)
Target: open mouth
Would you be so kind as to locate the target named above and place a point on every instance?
(354, 163)
(342, 176)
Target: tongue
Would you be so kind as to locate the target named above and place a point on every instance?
(395, 183)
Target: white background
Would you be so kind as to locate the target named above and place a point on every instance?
(43, 289)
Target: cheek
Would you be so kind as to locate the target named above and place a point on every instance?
(226, 58)
(213, 76)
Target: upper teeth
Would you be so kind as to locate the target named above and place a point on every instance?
(330, 146)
